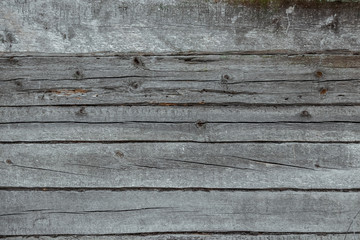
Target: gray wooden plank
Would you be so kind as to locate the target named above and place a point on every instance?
(181, 165)
(240, 67)
(117, 91)
(170, 80)
(202, 236)
(178, 114)
(117, 212)
(193, 132)
(171, 26)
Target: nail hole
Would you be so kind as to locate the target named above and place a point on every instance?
(317, 165)
(200, 124)
(78, 74)
(134, 85)
(119, 154)
(136, 61)
(8, 161)
(318, 74)
(305, 114)
(323, 91)
(82, 111)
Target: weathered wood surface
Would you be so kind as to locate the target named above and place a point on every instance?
(181, 132)
(181, 165)
(204, 79)
(180, 119)
(247, 126)
(180, 114)
(70, 26)
(117, 212)
(202, 236)
(180, 123)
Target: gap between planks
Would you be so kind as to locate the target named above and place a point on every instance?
(179, 54)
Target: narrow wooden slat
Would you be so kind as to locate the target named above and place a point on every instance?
(171, 26)
(194, 132)
(203, 236)
(172, 80)
(104, 212)
(181, 165)
(239, 67)
(178, 114)
(118, 91)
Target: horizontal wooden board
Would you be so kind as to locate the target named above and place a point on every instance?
(181, 165)
(192, 132)
(167, 80)
(117, 212)
(72, 26)
(239, 67)
(180, 114)
(117, 91)
(202, 236)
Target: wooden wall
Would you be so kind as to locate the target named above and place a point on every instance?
(179, 119)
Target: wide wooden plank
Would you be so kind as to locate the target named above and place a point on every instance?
(117, 212)
(180, 114)
(181, 165)
(213, 79)
(202, 236)
(192, 132)
(72, 26)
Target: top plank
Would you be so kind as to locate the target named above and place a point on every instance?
(175, 26)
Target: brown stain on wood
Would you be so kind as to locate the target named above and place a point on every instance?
(318, 74)
(340, 61)
(68, 92)
(323, 91)
(168, 104)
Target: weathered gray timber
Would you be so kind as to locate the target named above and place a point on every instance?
(219, 79)
(118, 212)
(181, 132)
(180, 114)
(181, 165)
(202, 236)
(180, 119)
(70, 26)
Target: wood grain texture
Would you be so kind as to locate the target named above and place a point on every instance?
(180, 114)
(181, 165)
(203, 236)
(180, 119)
(104, 212)
(166, 80)
(173, 26)
(181, 132)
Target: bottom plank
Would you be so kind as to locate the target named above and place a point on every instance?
(128, 212)
(202, 237)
